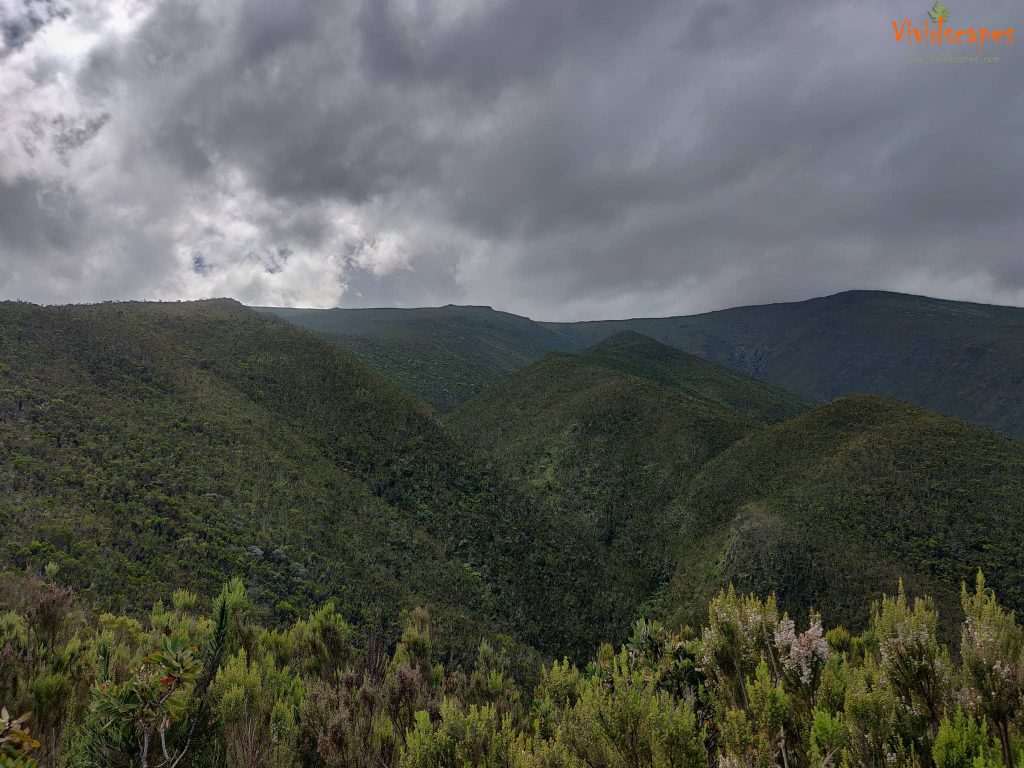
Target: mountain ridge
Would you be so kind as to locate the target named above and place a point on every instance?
(444, 355)
(192, 442)
(964, 359)
(833, 507)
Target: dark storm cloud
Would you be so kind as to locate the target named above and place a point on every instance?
(510, 43)
(561, 158)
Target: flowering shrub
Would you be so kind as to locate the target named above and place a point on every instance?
(752, 689)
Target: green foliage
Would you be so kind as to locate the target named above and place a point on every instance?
(627, 722)
(137, 712)
(965, 360)
(836, 506)
(45, 660)
(256, 702)
(961, 741)
(320, 645)
(159, 446)
(992, 650)
(445, 355)
(828, 738)
(607, 452)
(912, 661)
(754, 735)
(16, 743)
(475, 737)
(751, 689)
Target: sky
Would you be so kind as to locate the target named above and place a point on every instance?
(562, 159)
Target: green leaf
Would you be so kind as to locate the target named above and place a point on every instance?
(938, 12)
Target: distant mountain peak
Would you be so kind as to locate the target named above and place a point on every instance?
(488, 307)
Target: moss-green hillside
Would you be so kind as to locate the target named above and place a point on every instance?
(445, 355)
(153, 445)
(642, 356)
(834, 506)
(607, 452)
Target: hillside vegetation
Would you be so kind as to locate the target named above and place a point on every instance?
(962, 359)
(833, 507)
(154, 454)
(642, 356)
(965, 360)
(751, 687)
(827, 509)
(149, 446)
(156, 444)
(607, 452)
(445, 355)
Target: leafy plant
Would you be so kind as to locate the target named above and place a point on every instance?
(938, 12)
(15, 741)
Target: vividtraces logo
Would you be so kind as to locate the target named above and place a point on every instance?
(939, 31)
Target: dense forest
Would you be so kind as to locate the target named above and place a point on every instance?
(232, 541)
(962, 359)
(184, 444)
(957, 357)
(444, 355)
(676, 495)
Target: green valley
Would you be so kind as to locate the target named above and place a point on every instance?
(607, 452)
(445, 355)
(204, 505)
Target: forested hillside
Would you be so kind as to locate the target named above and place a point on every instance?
(445, 355)
(151, 446)
(607, 452)
(642, 356)
(155, 452)
(962, 359)
(156, 445)
(965, 360)
(836, 505)
(827, 509)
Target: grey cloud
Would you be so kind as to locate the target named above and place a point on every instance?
(563, 158)
(497, 47)
(36, 218)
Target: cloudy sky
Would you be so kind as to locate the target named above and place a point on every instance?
(559, 158)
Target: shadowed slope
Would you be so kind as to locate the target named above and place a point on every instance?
(608, 452)
(445, 355)
(965, 360)
(836, 505)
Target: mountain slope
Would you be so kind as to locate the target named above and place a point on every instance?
(640, 355)
(962, 359)
(150, 446)
(608, 452)
(445, 355)
(834, 506)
